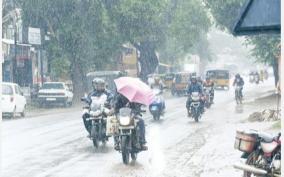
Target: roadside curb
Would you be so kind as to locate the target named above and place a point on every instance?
(264, 95)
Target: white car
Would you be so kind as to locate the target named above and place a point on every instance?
(13, 101)
(54, 93)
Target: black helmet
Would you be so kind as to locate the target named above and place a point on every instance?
(193, 78)
(238, 76)
(98, 84)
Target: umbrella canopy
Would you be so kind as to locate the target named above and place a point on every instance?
(134, 90)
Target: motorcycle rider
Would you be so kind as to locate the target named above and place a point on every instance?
(200, 81)
(99, 88)
(209, 83)
(120, 102)
(194, 86)
(239, 81)
(158, 83)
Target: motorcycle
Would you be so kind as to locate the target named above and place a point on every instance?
(195, 107)
(262, 153)
(208, 96)
(251, 78)
(97, 113)
(157, 107)
(238, 95)
(257, 79)
(128, 134)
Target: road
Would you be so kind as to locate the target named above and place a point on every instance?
(55, 145)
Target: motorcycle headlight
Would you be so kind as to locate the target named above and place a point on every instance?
(124, 120)
(95, 113)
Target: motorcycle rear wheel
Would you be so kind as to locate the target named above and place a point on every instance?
(157, 117)
(251, 160)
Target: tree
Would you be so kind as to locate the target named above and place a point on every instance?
(141, 24)
(264, 46)
(187, 33)
(80, 31)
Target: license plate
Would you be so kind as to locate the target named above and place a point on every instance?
(50, 99)
(154, 108)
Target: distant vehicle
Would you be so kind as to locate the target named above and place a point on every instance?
(221, 78)
(108, 76)
(168, 80)
(13, 100)
(180, 83)
(157, 107)
(55, 93)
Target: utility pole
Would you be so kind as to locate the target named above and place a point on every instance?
(14, 60)
(41, 64)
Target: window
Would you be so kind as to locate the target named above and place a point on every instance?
(7, 90)
(17, 90)
(53, 86)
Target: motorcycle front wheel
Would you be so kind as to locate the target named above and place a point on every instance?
(124, 150)
(94, 137)
(133, 156)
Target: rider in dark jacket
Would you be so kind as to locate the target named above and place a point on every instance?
(194, 86)
(239, 81)
(99, 87)
(121, 101)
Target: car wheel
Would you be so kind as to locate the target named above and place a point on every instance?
(23, 114)
(65, 104)
(13, 114)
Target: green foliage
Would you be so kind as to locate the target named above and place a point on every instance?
(226, 12)
(265, 47)
(88, 34)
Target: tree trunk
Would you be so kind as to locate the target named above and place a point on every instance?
(275, 71)
(79, 80)
(148, 59)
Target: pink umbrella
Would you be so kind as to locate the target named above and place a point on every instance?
(134, 90)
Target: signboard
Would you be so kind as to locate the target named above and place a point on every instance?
(34, 36)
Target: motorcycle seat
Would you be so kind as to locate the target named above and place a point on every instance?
(267, 138)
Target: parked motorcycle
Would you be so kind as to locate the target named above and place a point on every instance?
(157, 107)
(238, 95)
(208, 96)
(128, 136)
(262, 153)
(97, 114)
(195, 107)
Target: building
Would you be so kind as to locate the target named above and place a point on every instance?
(21, 60)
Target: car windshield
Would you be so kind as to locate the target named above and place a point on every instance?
(7, 90)
(52, 86)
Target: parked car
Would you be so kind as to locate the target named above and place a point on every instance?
(55, 93)
(13, 100)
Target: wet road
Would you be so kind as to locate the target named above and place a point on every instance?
(56, 145)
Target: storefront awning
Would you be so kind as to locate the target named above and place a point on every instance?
(12, 42)
(259, 16)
